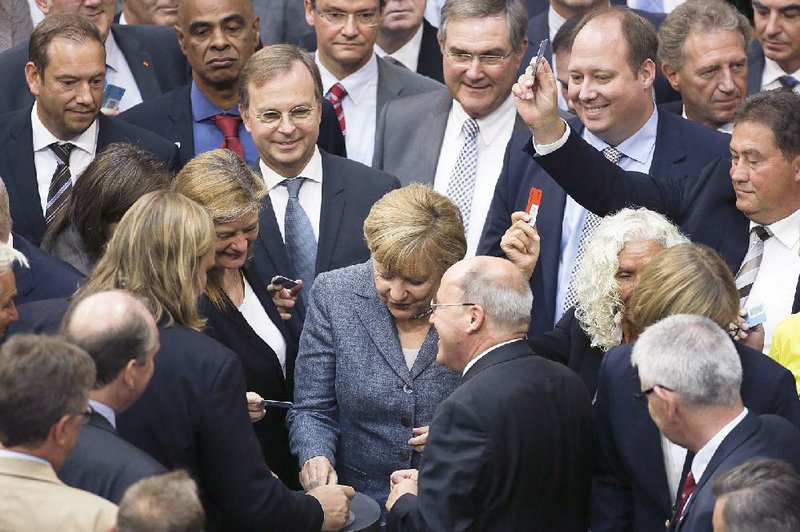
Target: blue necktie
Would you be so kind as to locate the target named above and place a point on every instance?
(788, 82)
(299, 236)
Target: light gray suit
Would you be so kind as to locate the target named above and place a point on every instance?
(355, 400)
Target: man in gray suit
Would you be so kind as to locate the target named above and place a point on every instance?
(355, 80)
(427, 138)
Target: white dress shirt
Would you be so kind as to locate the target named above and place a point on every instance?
(310, 194)
(724, 128)
(105, 411)
(776, 281)
(46, 161)
(480, 356)
(771, 73)
(360, 107)
(433, 11)
(36, 14)
(119, 73)
(408, 54)
(493, 136)
(669, 5)
(255, 316)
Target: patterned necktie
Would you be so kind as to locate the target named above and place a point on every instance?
(461, 186)
(653, 6)
(688, 487)
(751, 262)
(229, 125)
(589, 225)
(788, 82)
(61, 184)
(15, 23)
(301, 244)
(335, 95)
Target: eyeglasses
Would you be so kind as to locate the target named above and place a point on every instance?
(340, 18)
(85, 415)
(297, 115)
(435, 305)
(465, 59)
(644, 394)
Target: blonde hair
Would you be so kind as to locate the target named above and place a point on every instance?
(156, 253)
(228, 189)
(685, 279)
(598, 306)
(415, 230)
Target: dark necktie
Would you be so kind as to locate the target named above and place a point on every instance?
(61, 184)
(229, 125)
(688, 487)
(301, 245)
(335, 95)
(788, 82)
(748, 271)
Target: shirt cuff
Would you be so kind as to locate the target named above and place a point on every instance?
(544, 149)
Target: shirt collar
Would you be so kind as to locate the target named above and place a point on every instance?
(787, 231)
(356, 84)
(114, 57)
(638, 146)
(724, 128)
(42, 138)
(408, 54)
(5, 453)
(312, 171)
(554, 22)
(203, 108)
(703, 457)
(489, 126)
(105, 411)
(475, 360)
(772, 72)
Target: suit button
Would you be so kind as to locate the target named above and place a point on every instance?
(408, 389)
(406, 422)
(404, 455)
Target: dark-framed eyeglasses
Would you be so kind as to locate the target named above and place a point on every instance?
(85, 414)
(465, 59)
(273, 118)
(642, 396)
(340, 18)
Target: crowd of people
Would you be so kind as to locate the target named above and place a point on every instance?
(475, 264)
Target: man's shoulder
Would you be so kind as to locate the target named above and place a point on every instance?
(159, 107)
(411, 82)
(11, 121)
(357, 177)
(145, 32)
(416, 106)
(118, 130)
(14, 59)
(695, 136)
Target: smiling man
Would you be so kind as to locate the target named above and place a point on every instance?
(776, 62)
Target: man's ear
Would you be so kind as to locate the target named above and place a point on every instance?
(309, 12)
(33, 78)
(648, 73)
(181, 38)
(128, 373)
(672, 76)
(59, 433)
(43, 6)
(476, 318)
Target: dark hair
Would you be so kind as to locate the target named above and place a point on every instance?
(42, 379)
(779, 110)
(110, 185)
(272, 61)
(565, 34)
(640, 36)
(761, 494)
(70, 26)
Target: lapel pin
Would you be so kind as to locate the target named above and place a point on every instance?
(146, 63)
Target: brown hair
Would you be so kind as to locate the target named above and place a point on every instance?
(272, 61)
(70, 26)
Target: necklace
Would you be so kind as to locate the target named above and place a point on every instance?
(422, 314)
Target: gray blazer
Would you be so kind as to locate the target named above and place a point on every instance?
(355, 400)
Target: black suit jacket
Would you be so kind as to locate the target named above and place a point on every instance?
(755, 436)
(18, 170)
(262, 371)
(755, 67)
(170, 116)
(152, 53)
(46, 277)
(508, 450)
(683, 148)
(103, 463)
(705, 208)
(193, 415)
(349, 189)
(630, 489)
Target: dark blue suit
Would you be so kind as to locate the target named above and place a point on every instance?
(170, 115)
(349, 189)
(755, 67)
(18, 170)
(152, 53)
(705, 208)
(46, 277)
(682, 149)
(630, 489)
(103, 463)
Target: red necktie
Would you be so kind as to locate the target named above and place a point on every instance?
(229, 125)
(335, 95)
(688, 488)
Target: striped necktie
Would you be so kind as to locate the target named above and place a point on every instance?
(335, 95)
(752, 261)
(61, 184)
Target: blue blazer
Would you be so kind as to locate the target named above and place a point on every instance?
(170, 115)
(755, 67)
(46, 277)
(682, 149)
(18, 169)
(630, 489)
(355, 400)
(152, 53)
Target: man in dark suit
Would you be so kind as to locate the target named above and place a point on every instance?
(281, 94)
(407, 37)
(764, 198)
(143, 60)
(510, 448)
(195, 117)
(774, 57)
(617, 113)
(674, 358)
(48, 147)
(120, 335)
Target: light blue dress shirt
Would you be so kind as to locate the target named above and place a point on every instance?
(207, 135)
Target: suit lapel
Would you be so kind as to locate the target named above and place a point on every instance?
(182, 130)
(269, 238)
(515, 349)
(669, 150)
(139, 62)
(331, 212)
(21, 173)
(389, 87)
(755, 67)
(22, 276)
(425, 155)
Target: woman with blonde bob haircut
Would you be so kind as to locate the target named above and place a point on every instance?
(367, 381)
(241, 314)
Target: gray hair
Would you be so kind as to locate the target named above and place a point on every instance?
(10, 256)
(515, 11)
(162, 503)
(599, 304)
(507, 304)
(761, 494)
(692, 356)
(700, 16)
(42, 379)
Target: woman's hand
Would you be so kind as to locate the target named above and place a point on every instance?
(284, 298)
(420, 438)
(521, 244)
(317, 471)
(255, 407)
